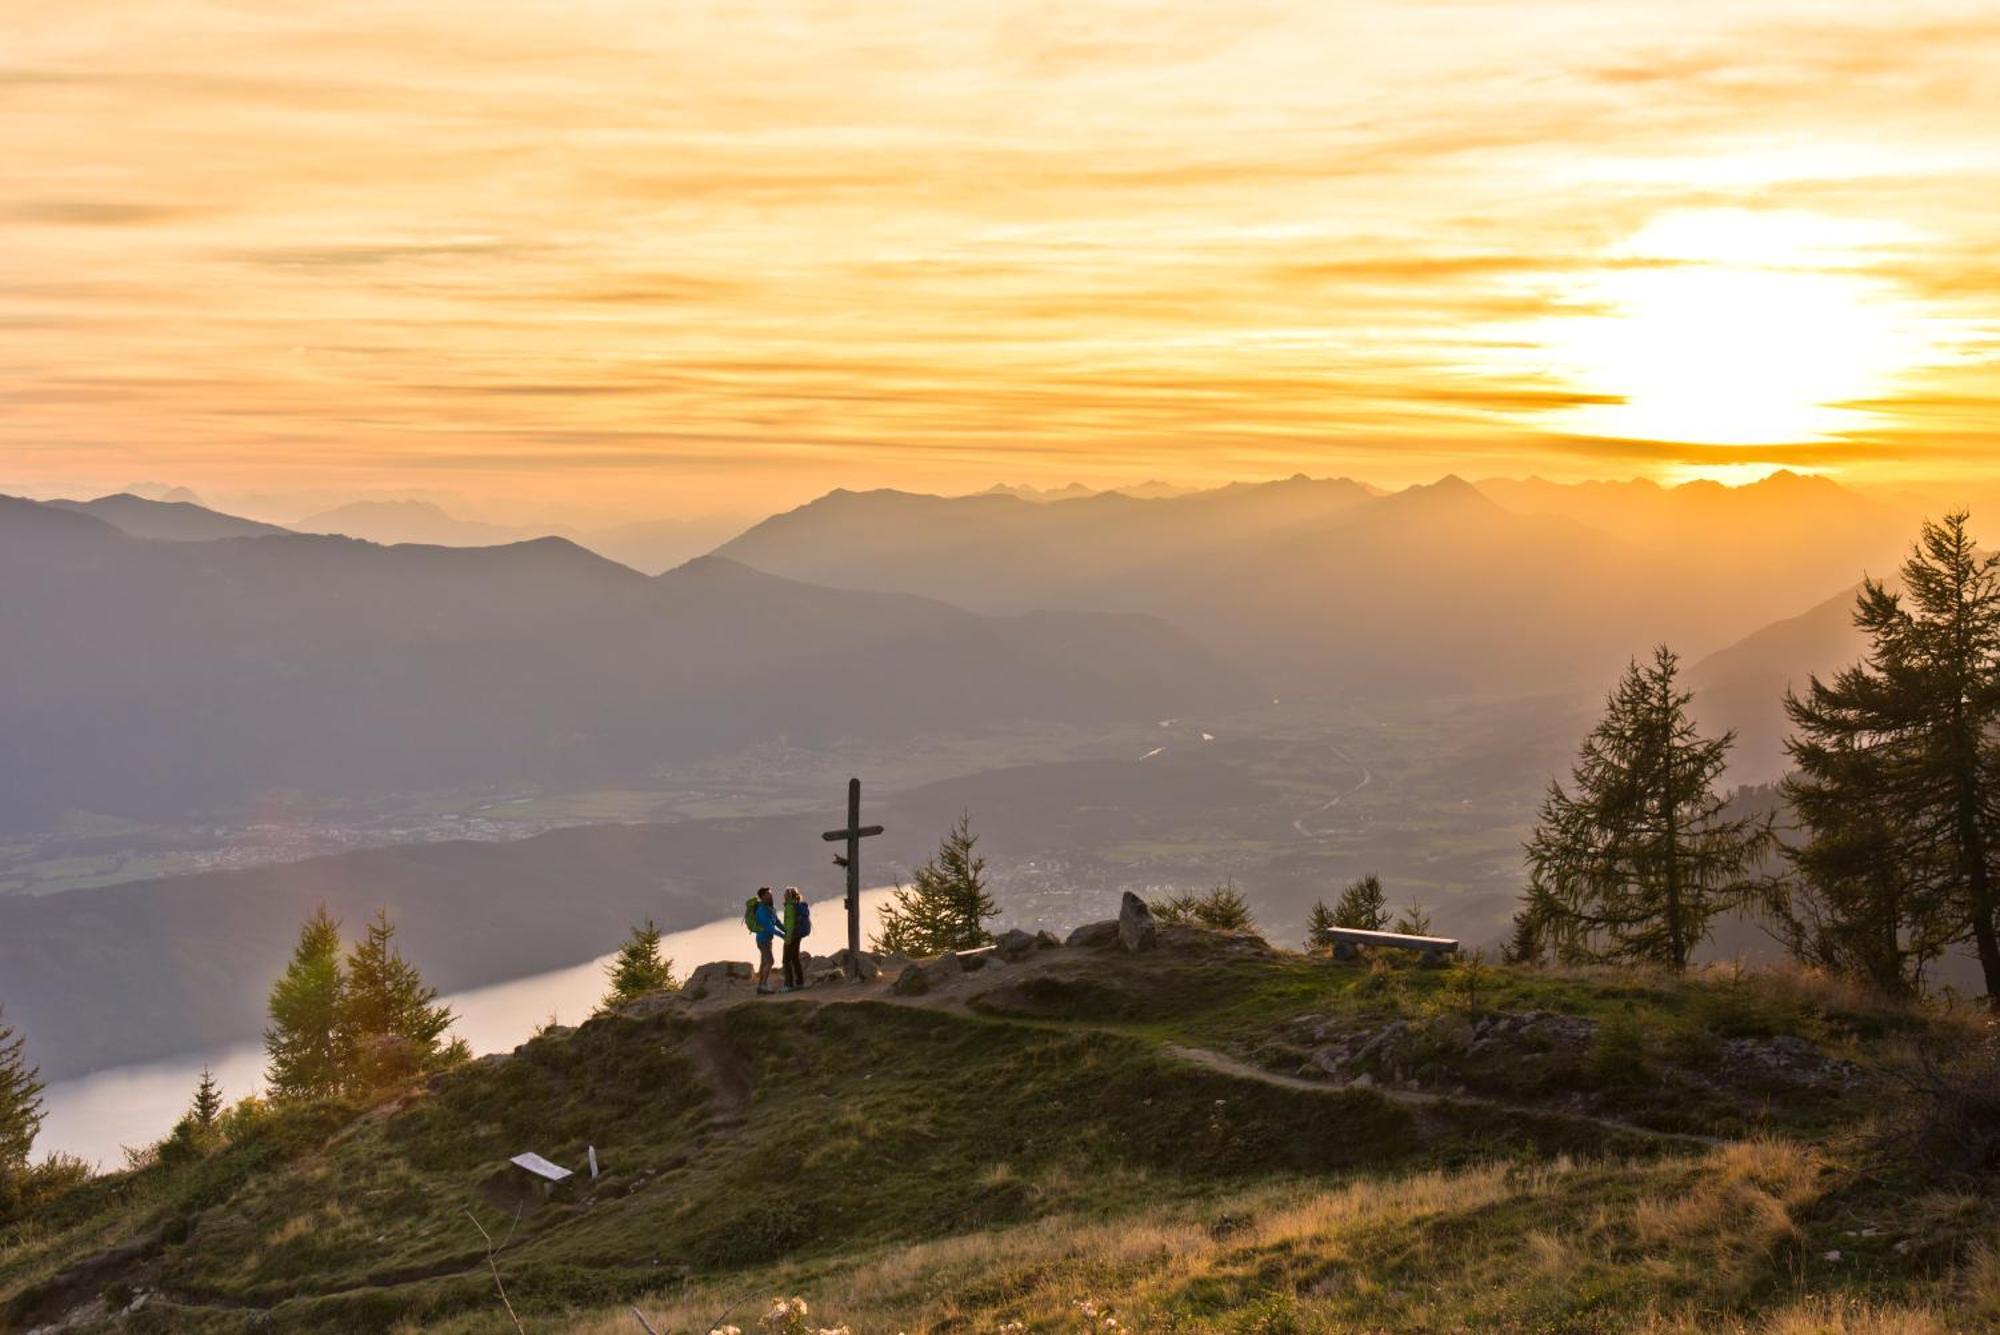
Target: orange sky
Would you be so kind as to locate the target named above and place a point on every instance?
(617, 257)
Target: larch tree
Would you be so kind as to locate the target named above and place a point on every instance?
(639, 967)
(946, 906)
(20, 1099)
(1319, 926)
(307, 1041)
(392, 1019)
(1897, 775)
(1363, 905)
(1637, 857)
(207, 1104)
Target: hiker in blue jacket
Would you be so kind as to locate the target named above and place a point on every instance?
(766, 916)
(797, 925)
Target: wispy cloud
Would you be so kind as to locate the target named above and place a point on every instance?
(711, 253)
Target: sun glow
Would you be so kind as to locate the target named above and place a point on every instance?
(1734, 328)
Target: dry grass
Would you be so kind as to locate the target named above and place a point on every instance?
(1738, 1209)
(1725, 1208)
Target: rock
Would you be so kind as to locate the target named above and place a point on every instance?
(1095, 935)
(715, 978)
(650, 1004)
(1047, 940)
(1014, 945)
(914, 981)
(971, 963)
(864, 966)
(1362, 1081)
(1136, 931)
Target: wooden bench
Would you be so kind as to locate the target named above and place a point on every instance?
(1347, 942)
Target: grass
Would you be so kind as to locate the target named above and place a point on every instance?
(914, 1168)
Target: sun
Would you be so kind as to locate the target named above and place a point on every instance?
(1729, 327)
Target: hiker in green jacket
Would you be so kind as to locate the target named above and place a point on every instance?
(797, 926)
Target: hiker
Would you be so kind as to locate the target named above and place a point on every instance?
(798, 925)
(761, 917)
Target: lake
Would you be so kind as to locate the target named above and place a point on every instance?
(95, 1115)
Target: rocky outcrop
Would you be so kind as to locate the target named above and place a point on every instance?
(924, 976)
(863, 965)
(1014, 945)
(1136, 930)
(714, 979)
(1095, 935)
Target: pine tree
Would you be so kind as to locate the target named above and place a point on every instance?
(1363, 906)
(207, 1105)
(638, 969)
(1897, 776)
(20, 1099)
(392, 1020)
(1638, 862)
(307, 1041)
(946, 906)
(1413, 921)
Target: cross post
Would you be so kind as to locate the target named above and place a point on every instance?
(851, 859)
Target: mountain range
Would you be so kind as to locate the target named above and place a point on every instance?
(1326, 585)
(150, 678)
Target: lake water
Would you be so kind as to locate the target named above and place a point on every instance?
(95, 1115)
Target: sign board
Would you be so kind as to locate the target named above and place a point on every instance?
(540, 1167)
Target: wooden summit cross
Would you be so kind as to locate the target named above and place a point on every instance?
(851, 859)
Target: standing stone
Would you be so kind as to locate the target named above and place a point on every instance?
(1135, 924)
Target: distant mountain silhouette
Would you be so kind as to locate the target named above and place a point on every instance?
(394, 522)
(168, 521)
(1764, 548)
(1316, 585)
(1001, 553)
(153, 678)
(1075, 491)
(653, 546)
(162, 491)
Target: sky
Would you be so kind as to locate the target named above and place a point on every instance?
(621, 258)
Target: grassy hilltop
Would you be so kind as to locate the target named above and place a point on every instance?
(1211, 1136)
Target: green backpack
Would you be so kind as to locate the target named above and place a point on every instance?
(750, 913)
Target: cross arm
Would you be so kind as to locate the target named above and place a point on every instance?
(862, 833)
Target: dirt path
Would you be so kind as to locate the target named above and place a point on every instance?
(1416, 1098)
(954, 992)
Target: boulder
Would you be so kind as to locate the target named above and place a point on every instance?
(973, 963)
(1013, 945)
(915, 980)
(1047, 940)
(1094, 935)
(864, 966)
(715, 978)
(1136, 931)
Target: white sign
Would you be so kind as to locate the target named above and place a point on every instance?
(539, 1166)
